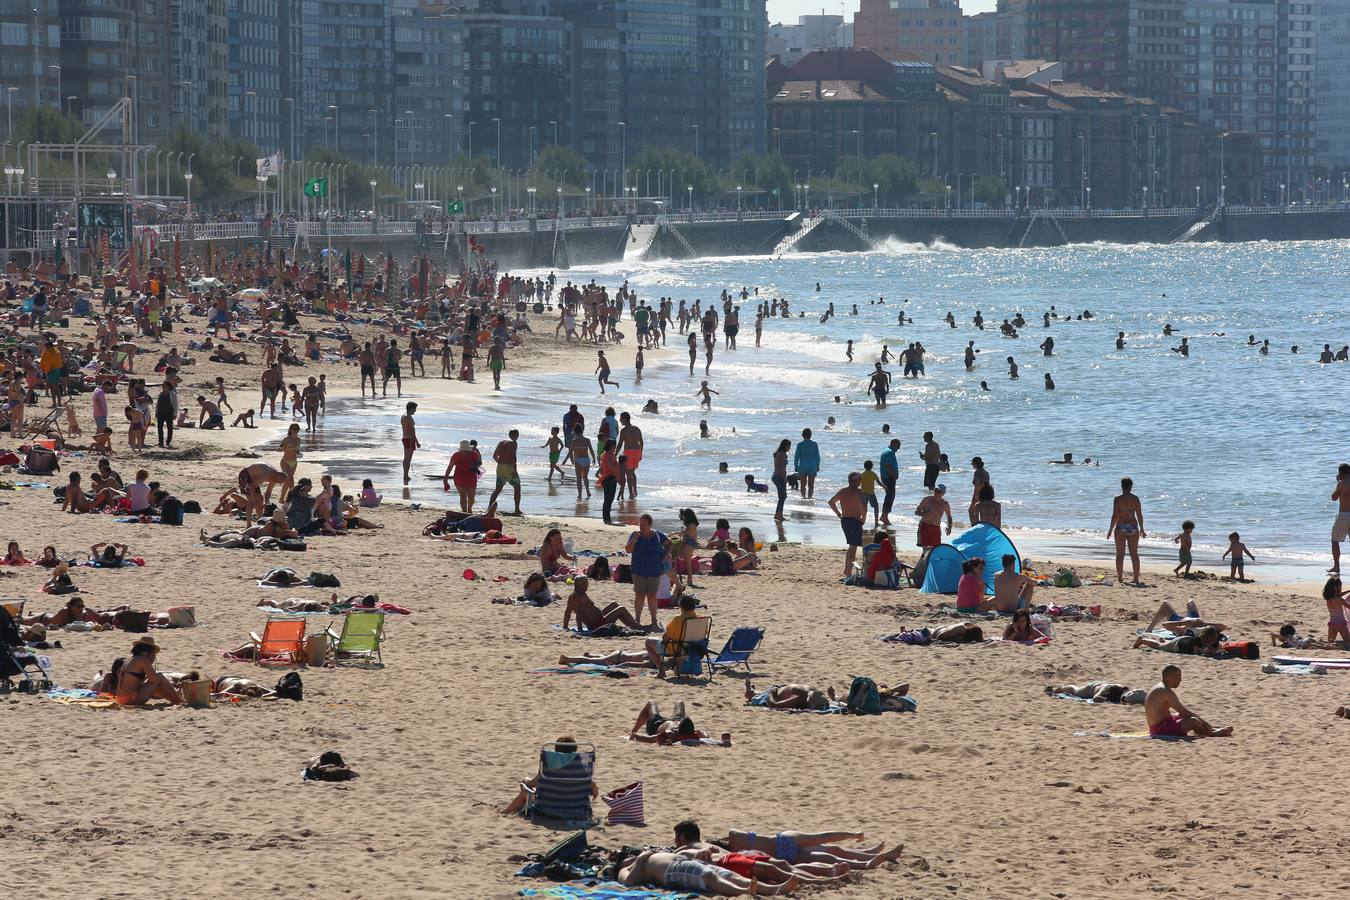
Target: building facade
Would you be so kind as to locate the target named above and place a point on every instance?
(200, 56)
(1332, 87)
(257, 102)
(113, 51)
(30, 46)
(791, 42)
(347, 78)
(929, 30)
(998, 35)
(428, 91)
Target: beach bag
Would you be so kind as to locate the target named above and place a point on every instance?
(1242, 649)
(290, 687)
(192, 506)
(40, 461)
(599, 570)
(133, 621)
(171, 511)
(295, 545)
(863, 697)
(625, 805)
(182, 617)
(316, 649)
(323, 580)
(623, 573)
(722, 563)
(196, 694)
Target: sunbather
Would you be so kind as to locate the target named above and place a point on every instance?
(49, 559)
(1168, 717)
(1168, 619)
(1098, 692)
(1021, 629)
(589, 616)
(107, 555)
(820, 847)
(73, 611)
(60, 581)
(564, 744)
(14, 556)
(636, 659)
(752, 863)
(537, 591)
(653, 728)
(282, 578)
(138, 682)
(1202, 642)
(680, 873)
(792, 696)
(295, 604)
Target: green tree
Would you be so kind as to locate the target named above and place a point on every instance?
(215, 162)
(559, 165)
(680, 170)
(990, 190)
(46, 125)
(765, 180)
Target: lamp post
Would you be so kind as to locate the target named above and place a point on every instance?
(932, 135)
(560, 201)
(372, 198)
(494, 199)
(187, 180)
(554, 123)
(1145, 198)
(623, 153)
(874, 196)
(695, 127)
(1197, 198)
(262, 204)
(254, 129)
(334, 110)
(1089, 197)
(738, 201)
(9, 114)
(498, 121)
(187, 95)
(690, 189)
(112, 176)
(58, 85)
(70, 104)
(450, 132)
(530, 190)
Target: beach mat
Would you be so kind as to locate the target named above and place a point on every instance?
(607, 890)
(1132, 735)
(585, 669)
(1328, 663)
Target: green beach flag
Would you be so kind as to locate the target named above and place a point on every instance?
(455, 207)
(316, 187)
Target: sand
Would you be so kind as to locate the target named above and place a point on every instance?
(989, 786)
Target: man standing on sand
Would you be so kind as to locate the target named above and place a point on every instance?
(932, 460)
(851, 507)
(648, 551)
(930, 511)
(392, 357)
(505, 458)
(410, 442)
(1168, 717)
(272, 384)
(890, 472)
(1340, 529)
(630, 448)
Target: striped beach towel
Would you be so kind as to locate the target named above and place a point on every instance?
(625, 805)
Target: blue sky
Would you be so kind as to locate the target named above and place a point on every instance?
(788, 10)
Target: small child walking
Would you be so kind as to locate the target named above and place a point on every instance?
(869, 489)
(221, 400)
(1236, 549)
(704, 393)
(1335, 598)
(1183, 541)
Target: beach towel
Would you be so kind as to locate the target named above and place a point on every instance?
(603, 890)
(697, 742)
(1288, 669)
(761, 700)
(1132, 735)
(585, 669)
(1040, 640)
(131, 562)
(604, 631)
(137, 520)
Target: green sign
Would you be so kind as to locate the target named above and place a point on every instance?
(316, 187)
(455, 207)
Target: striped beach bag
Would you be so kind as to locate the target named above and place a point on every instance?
(625, 805)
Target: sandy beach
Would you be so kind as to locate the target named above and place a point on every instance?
(994, 788)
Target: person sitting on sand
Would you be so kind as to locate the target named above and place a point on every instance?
(1012, 589)
(797, 847)
(138, 682)
(1021, 629)
(60, 581)
(661, 648)
(76, 500)
(537, 591)
(106, 682)
(653, 728)
(1168, 717)
(49, 559)
(14, 556)
(107, 555)
(551, 554)
(1202, 642)
(1098, 692)
(589, 616)
(680, 873)
(563, 745)
(753, 864)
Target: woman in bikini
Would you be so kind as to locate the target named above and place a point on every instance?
(14, 556)
(138, 682)
(290, 457)
(551, 554)
(1021, 629)
(1127, 526)
(580, 452)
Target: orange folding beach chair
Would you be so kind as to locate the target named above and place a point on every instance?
(282, 643)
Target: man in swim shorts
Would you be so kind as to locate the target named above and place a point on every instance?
(851, 507)
(505, 458)
(797, 847)
(1168, 717)
(753, 864)
(410, 442)
(930, 511)
(630, 448)
(678, 873)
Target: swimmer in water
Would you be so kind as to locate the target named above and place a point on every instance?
(1048, 346)
(1184, 349)
(703, 428)
(1066, 461)
(848, 351)
(1012, 368)
(1049, 382)
(1120, 340)
(1167, 328)
(704, 393)
(829, 423)
(984, 385)
(970, 355)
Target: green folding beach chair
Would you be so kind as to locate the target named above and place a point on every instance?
(362, 633)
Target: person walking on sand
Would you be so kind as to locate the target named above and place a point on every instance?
(1127, 526)
(850, 506)
(497, 362)
(648, 551)
(555, 446)
(931, 510)
(932, 460)
(1167, 716)
(505, 458)
(410, 442)
(1340, 529)
(890, 473)
(602, 371)
(391, 370)
(779, 479)
(630, 449)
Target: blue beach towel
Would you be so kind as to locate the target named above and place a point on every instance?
(603, 890)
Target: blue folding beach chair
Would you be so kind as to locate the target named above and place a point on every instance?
(742, 643)
(689, 651)
(563, 788)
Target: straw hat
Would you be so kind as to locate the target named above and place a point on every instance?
(145, 641)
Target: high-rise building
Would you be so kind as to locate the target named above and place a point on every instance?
(30, 55)
(200, 60)
(113, 51)
(428, 92)
(1333, 83)
(998, 35)
(256, 101)
(347, 77)
(931, 30)
(791, 42)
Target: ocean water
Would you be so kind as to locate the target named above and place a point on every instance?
(1232, 439)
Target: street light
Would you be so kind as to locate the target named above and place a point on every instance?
(112, 176)
(58, 85)
(874, 196)
(494, 199)
(933, 136)
(738, 200)
(498, 121)
(560, 202)
(623, 153)
(262, 183)
(554, 123)
(254, 130)
(372, 198)
(187, 180)
(530, 190)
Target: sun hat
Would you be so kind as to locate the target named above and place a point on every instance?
(145, 641)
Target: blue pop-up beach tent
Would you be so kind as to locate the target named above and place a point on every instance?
(943, 570)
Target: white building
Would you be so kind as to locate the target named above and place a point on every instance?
(791, 42)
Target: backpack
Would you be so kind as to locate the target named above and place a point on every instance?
(323, 580)
(1242, 649)
(192, 506)
(863, 697)
(600, 569)
(722, 563)
(171, 511)
(623, 573)
(132, 621)
(290, 687)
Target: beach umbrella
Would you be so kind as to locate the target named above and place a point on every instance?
(251, 294)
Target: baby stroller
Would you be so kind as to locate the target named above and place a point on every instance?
(17, 660)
